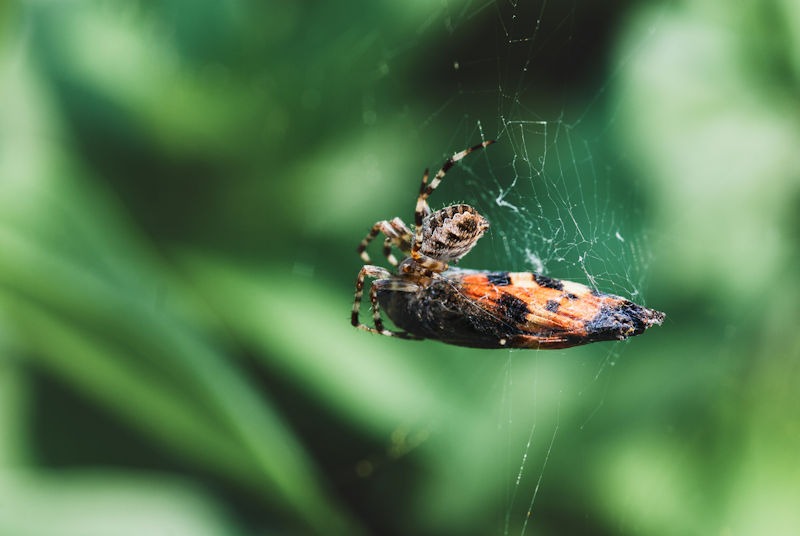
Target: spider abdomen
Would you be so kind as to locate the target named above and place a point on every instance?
(450, 233)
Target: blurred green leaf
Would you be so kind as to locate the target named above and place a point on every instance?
(100, 503)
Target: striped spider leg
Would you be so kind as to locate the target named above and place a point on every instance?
(447, 234)
(383, 280)
(438, 238)
(397, 234)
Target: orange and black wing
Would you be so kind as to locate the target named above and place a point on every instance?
(541, 312)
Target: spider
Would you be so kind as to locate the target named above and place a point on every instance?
(427, 298)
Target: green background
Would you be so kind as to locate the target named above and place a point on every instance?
(182, 187)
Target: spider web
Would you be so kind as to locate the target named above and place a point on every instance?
(560, 201)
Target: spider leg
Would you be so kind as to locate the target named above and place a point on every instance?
(376, 313)
(373, 233)
(428, 265)
(426, 189)
(402, 240)
(423, 208)
(397, 234)
(383, 280)
(387, 251)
